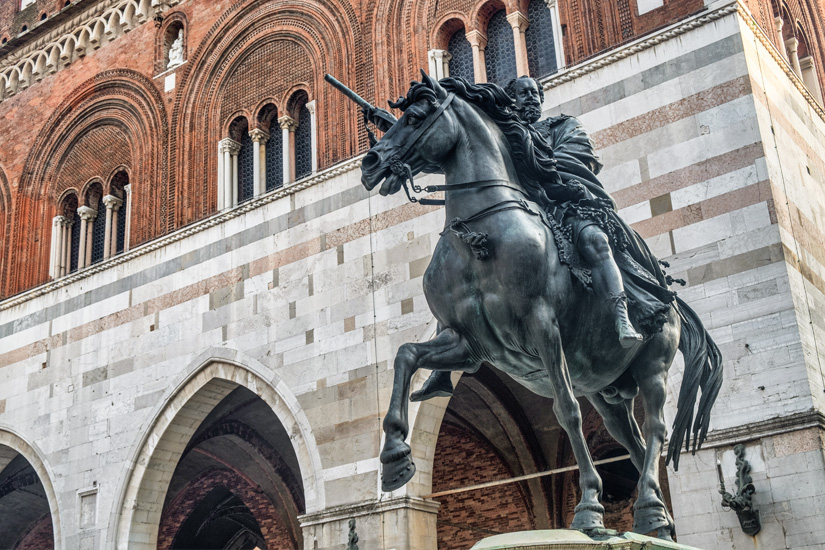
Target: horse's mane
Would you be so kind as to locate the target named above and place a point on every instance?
(531, 153)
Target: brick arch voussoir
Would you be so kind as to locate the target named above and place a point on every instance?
(331, 32)
(483, 11)
(209, 379)
(120, 95)
(6, 214)
(35, 457)
(445, 27)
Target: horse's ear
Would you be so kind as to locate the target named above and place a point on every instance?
(433, 84)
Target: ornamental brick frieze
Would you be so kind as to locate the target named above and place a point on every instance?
(101, 24)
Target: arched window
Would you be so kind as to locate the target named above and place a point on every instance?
(461, 52)
(540, 41)
(303, 143)
(119, 183)
(500, 54)
(98, 229)
(246, 175)
(275, 160)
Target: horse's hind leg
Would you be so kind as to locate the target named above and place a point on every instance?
(589, 514)
(620, 423)
(650, 512)
(447, 351)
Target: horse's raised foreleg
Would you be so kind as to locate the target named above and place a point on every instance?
(589, 514)
(650, 512)
(447, 351)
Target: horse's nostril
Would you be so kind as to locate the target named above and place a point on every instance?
(370, 161)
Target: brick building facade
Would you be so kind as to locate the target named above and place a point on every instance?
(199, 302)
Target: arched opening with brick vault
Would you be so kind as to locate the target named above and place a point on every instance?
(228, 461)
(494, 429)
(29, 518)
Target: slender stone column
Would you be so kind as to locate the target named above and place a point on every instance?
(479, 42)
(87, 216)
(221, 182)
(313, 126)
(810, 78)
(128, 213)
(520, 23)
(259, 139)
(57, 223)
(113, 204)
(229, 149)
(558, 36)
(791, 45)
(288, 126)
(779, 23)
(65, 248)
(439, 63)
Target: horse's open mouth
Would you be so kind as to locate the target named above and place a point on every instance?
(390, 182)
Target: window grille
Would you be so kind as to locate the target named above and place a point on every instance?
(99, 231)
(75, 246)
(121, 227)
(500, 54)
(461, 63)
(246, 169)
(541, 48)
(303, 144)
(274, 159)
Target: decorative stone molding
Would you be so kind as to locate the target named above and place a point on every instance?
(101, 23)
(346, 512)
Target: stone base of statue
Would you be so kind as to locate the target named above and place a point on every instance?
(566, 539)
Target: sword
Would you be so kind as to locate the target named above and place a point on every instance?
(380, 117)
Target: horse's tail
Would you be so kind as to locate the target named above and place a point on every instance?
(703, 369)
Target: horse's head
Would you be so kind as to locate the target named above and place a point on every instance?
(419, 142)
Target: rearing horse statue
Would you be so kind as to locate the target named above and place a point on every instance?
(502, 296)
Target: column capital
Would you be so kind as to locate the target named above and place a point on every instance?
(112, 202)
(518, 20)
(258, 136)
(87, 213)
(791, 44)
(229, 145)
(477, 39)
(286, 122)
(550, 3)
(127, 189)
(59, 220)
(440, 55)
(311, 106)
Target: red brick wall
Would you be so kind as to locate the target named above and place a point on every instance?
(41, 537)
(462, 459)
(275, 531)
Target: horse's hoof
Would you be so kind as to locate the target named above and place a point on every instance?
(588, 519)
(397, 473)
(600, 534)
(652, 519)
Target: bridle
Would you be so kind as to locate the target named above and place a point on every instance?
(403, 170)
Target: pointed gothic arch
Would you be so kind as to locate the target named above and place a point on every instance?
(209, 379)
(34, 456)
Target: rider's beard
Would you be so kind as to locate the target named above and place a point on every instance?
(530, 113)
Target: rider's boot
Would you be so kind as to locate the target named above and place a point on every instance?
(437, 385)
(628, 336)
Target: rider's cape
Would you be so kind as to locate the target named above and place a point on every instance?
(645, 284)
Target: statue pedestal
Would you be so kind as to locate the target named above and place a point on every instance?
(565, 539)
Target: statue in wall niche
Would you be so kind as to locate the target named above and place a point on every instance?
(538, 276)
(176, 52)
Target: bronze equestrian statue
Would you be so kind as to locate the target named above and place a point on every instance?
(536, 275)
